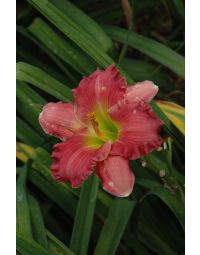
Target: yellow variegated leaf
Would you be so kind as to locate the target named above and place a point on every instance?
(174, 112)
(23, 151)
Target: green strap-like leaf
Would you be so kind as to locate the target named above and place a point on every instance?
(59, 195)
(173, 201)
(156, 232)
(29, 57)
(179, 6)
(175, 113)
(64, 49)
(151, 48)
(39, 231)
(169, 127)
(23, 214)
(132, 242)
(84, 216)
(42, 177)
(57, 247)
(114, 226)
(108, 13)
(141, 70)
(27, 134)
(86, 23)
(27, 246)
(42, 80)
(29, 105)
(72, 30)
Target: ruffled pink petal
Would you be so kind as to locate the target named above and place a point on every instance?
(101, 89)
(58, 119)
(145, 91)
(74, 162)
(139, 129)
(116, 176)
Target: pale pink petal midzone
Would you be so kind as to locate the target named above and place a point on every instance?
(74, 162)
(139, 132)
(144, 91)
(58, 119)
(116, 176)
(102, 88)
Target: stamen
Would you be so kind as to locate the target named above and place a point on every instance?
(91, 116)
(94, 123)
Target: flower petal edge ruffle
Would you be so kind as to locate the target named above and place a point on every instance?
(104, 89)
(74, 162)
(139, 129)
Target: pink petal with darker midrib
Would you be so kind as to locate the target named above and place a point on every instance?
(116, 176)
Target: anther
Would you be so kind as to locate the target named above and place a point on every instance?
(94, 123)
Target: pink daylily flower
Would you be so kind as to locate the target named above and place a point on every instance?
(108, 124)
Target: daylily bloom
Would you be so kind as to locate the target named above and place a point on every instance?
(108, 124)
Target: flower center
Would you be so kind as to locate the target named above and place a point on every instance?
(102, 127)
(94, 123)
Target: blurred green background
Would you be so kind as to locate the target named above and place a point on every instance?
(59, 42)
